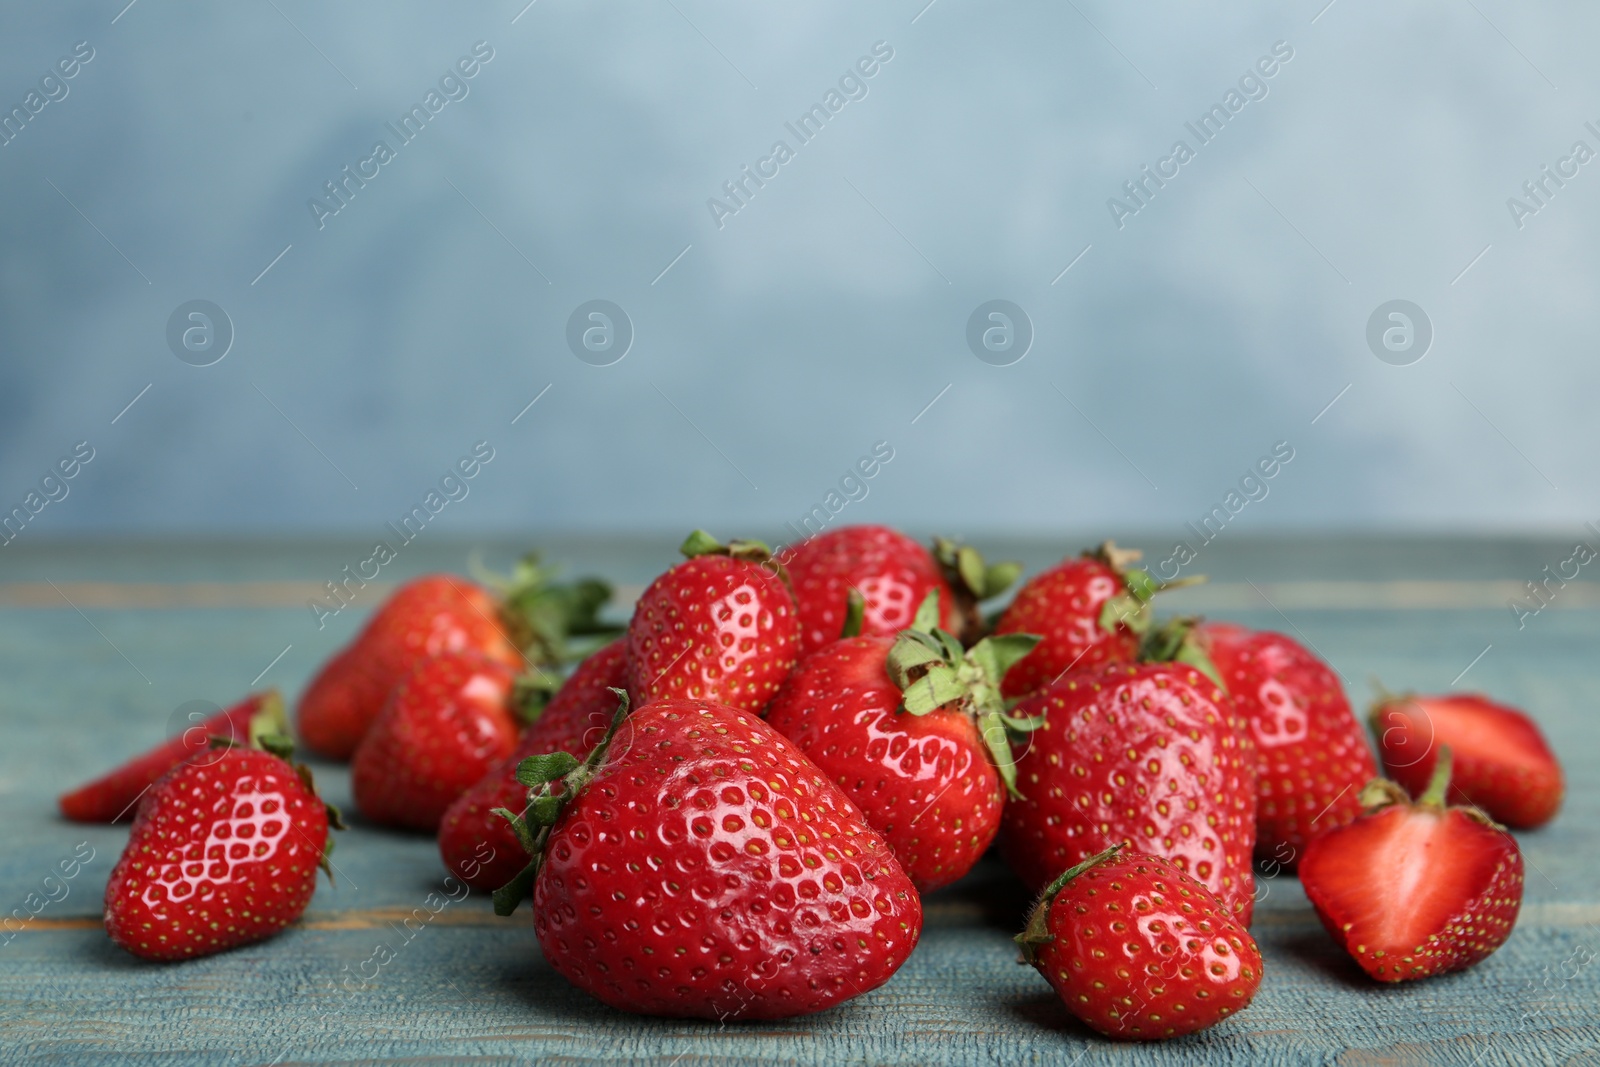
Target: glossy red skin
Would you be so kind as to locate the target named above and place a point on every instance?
(223, 852)
(1137, 929)
(1311, 752)
(926, 783)
(445, 727)
(425, 617)
(710, 871)
(1501, 761)
(113, 796)
(893, 573)
(713, 628)
(1073, 806)
(1463, 899)
(479, 846)
(1062, 605)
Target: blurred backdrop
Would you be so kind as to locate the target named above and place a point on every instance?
(278, 267)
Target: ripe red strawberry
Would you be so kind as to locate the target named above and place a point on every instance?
(224, 852)
(444, 727)
(916, 733)
(1139, 950)
(1413, 889)
(1153, 754)
(1311, 753)
(1502, 763)
(699, 866)
(113, 796)
(720, 626)
(890, 572)
(477, 845)
(432, 615)
(1090, 611)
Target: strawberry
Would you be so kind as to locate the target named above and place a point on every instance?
(440, 613)
(223, 852)
(112, 796)
(1502, 763)
(1412, 889)
(889, 571)
(1311, 754)
(444, 727)
(1150, 753)
(1090, 610)
(720, 626)
(697, 865)
(1139, 950)
(477, 845)
(915, 732)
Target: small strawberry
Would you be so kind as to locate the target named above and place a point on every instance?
(1090, 610)
(477, 845)
(1153, 754)
(914, 731)
(444, 727)
(697, 865)
(890, 572)
(1138, 950)
(113, 796)
(224, 852)
(1413, 888)
(1502, 763)
(720, 626)
(1311, 754)
(527, 625)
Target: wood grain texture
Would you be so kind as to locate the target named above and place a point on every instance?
(77, 691)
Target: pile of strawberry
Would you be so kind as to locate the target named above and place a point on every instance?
(731, 810)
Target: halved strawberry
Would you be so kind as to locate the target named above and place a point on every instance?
(1502, 763)
(1413, 888)
(114, 795)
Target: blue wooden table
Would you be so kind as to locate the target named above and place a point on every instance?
(100, 645)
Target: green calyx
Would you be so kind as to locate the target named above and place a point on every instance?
(933, 671)
(553, 781)
(699, 543)
(1382, 793)
(1174, 641)
(1037, 932)
(972, 580)
(855, 614)
(543, 616)
(1131, 607)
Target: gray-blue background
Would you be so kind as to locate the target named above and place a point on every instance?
(828, 313)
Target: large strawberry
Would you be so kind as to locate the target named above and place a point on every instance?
(479, 846)
(888, 571)
(526, 626)
(113, 796)
(444, 727)
(698, 865)
(1152, 754)
(1311, 753)
(224, 852)
(1502, 763)
(1138, 949)
(1413, 888)
(916, 733)
(1089, 611)
(720, 626)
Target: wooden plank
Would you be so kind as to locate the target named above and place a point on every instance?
(79, 690)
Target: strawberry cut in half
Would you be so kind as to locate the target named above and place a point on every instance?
(224, 852)
(113, 796)
(1138, 950)
(697, 865)
(1415, 888)
(914, 730)
(1502, 762)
